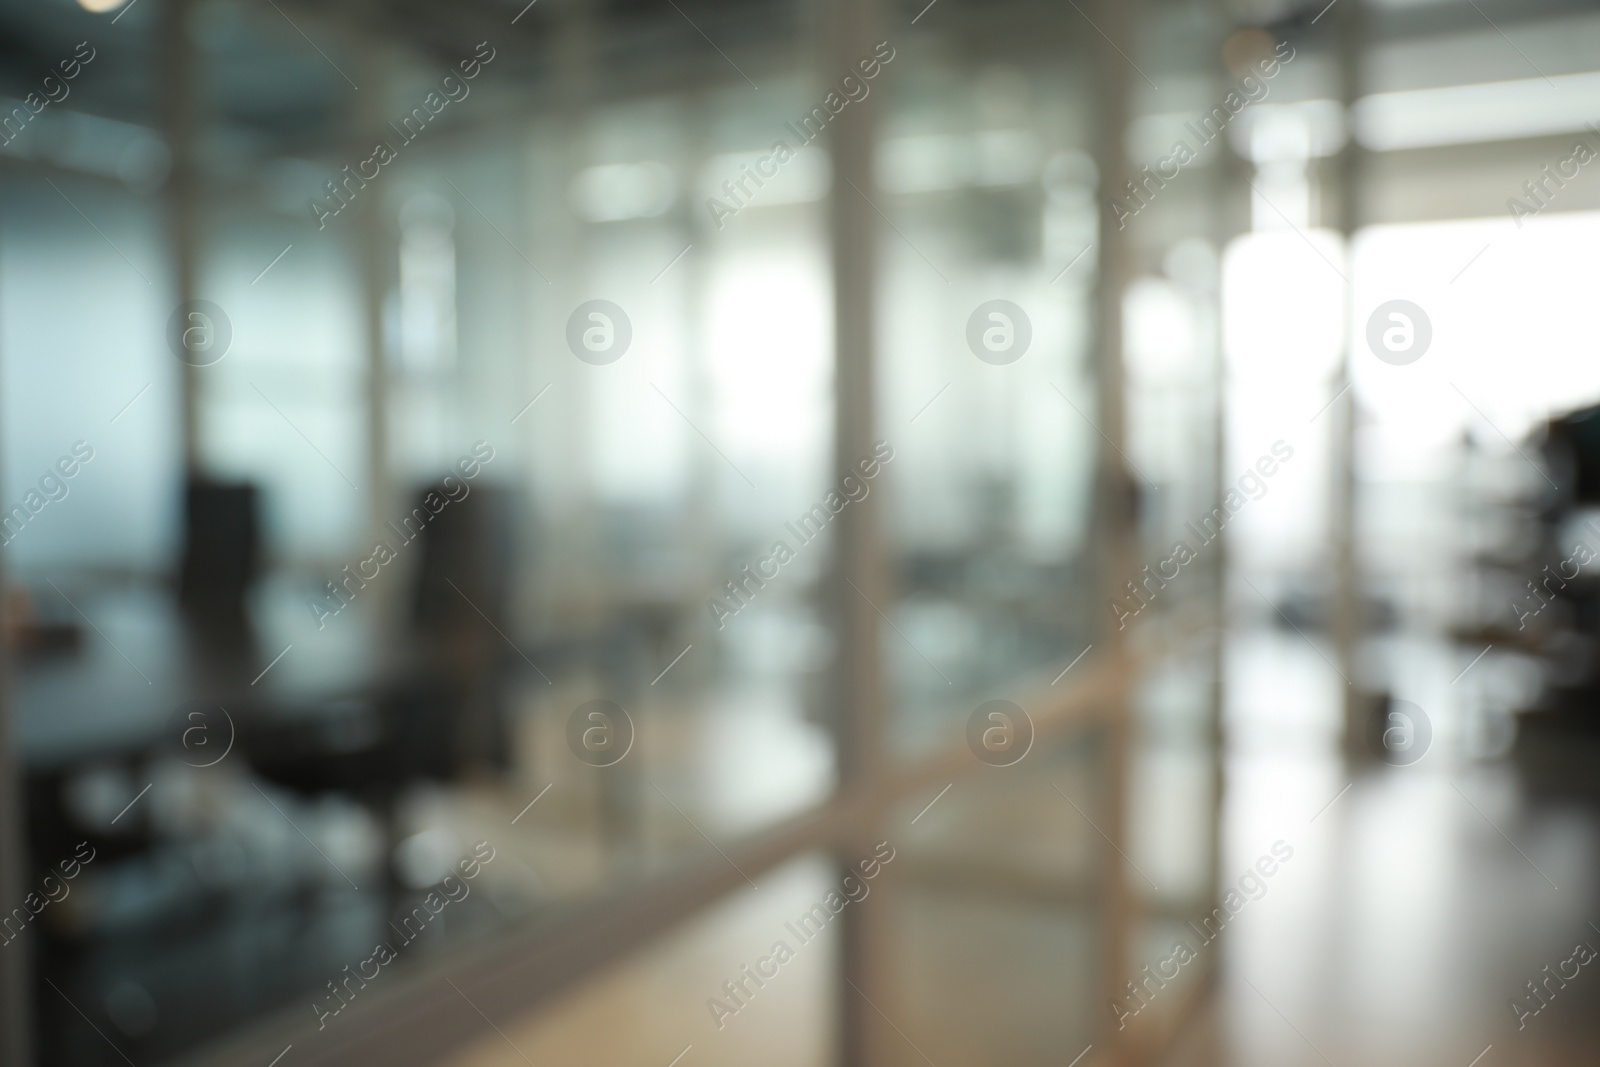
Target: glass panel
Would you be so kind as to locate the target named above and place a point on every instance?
(1176, 220)
(996, 917)
(988, 394)
(570, 609)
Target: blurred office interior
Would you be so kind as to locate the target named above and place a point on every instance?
(1079, 521)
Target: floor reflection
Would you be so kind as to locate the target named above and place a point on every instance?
(1420, 900)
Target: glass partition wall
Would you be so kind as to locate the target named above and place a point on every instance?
(649, 450)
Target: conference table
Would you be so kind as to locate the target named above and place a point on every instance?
(236, 789)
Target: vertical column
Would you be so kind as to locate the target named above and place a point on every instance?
(849, 31)
(526, 376)
(700, 527)
(177, 76)
(376, 263)
(1116, 498)
(1347, 569)
(859, 556)
(1230, 190)
(570, 417)
(16, 973)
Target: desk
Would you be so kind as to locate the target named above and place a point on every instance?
(200, 893)
(139, 663)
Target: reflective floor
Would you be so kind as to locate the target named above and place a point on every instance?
(1415, 905)
(1406, 925)
(652, 1008)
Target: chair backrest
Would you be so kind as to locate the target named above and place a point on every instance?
(1575, 438)
(221, 548)
(465, 565)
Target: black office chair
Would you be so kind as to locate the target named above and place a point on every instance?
(221, 547)
(221, 559)
(463, 580)
(460, 612)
